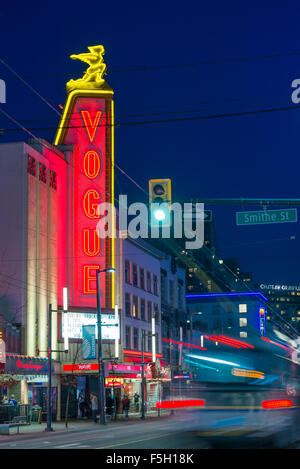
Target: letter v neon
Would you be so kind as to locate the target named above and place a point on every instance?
(90, 126)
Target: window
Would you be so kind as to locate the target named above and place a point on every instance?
(179, 294)
(142, 278)
(171, 292)
(135, 338)
(31, 165)
(149, 311)
(163, 286)
(143, 309)
(128, 337)
(135, 275)
(242, 308)
(149, 288)
(127, 272)
(156, 313)
(149, 342)
(42, 173)
(243, 334)
(127, 305)
(243, 322)
(53, 180)
(135, 307)
(155, 285)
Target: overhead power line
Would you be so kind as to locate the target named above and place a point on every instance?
(172, 120)
(170, 67)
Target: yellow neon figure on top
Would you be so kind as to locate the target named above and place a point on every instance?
(92, 79)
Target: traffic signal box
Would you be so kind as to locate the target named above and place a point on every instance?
(160, 202)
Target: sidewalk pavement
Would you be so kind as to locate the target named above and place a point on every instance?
(80, 424)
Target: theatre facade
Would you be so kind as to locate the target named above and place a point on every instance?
(50, 222)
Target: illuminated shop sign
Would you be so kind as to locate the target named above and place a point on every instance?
(262, 320)
(114, 382)
(75, 321)
(280, 287)
(87, 124)
(84, 367)
(26, 366)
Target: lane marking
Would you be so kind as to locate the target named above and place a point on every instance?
(139, 441)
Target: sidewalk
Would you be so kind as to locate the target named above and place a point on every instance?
(79, 424)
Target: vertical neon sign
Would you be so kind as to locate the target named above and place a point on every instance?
(87, 124)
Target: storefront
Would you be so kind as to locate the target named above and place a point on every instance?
(26, 380)
(120, 379)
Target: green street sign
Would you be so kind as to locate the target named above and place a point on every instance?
(263, 217)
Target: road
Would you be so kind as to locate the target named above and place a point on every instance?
(156, 433)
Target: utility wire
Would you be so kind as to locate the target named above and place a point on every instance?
(173, 120)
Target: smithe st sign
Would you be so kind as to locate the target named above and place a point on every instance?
(262, 217)
(87, 126)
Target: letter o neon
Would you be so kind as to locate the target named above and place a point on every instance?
(91, 164)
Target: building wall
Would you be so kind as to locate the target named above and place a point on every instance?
(174, 316)
(145, 257)
(237, 317)
(33, 181)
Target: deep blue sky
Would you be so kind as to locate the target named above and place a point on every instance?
(249, 156)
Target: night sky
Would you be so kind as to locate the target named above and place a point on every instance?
(168, 61)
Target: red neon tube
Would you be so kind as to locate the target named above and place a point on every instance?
(180, 404)
(276, 404)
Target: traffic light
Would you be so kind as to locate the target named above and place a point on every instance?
(160, 201)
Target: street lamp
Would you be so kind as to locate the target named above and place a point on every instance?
(100, 361)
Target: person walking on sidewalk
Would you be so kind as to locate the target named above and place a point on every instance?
(137, 401)
(94, 403)
(126, 405)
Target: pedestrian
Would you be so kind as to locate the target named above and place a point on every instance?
(117, 403)
(126, 405)
(136, 401)
(82, 406)
(12, 400)
(94, 403)
(109, 405)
